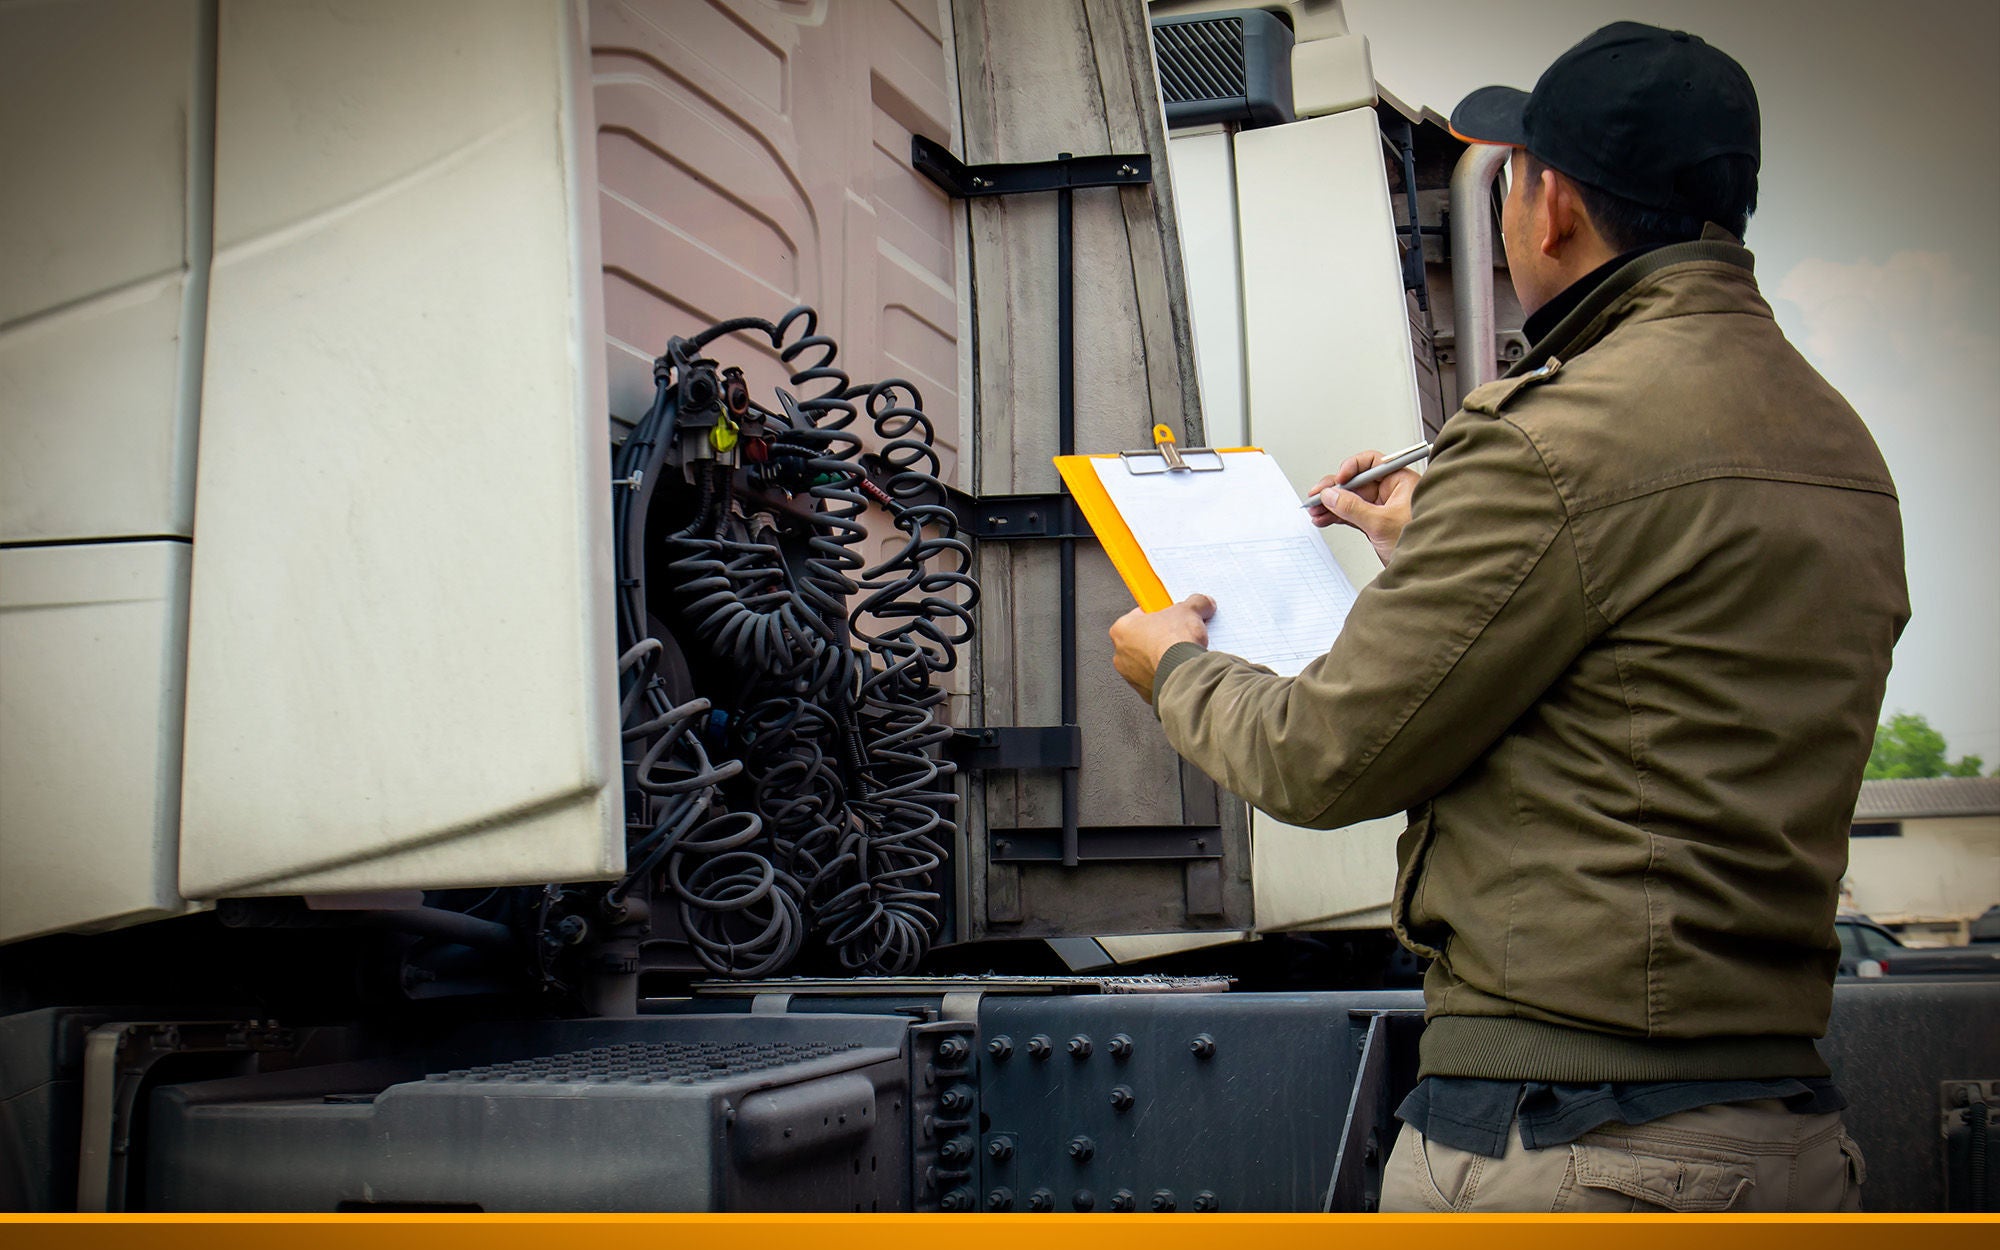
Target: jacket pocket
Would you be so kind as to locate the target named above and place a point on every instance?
(1709, 1181)
(1445, 1175)
(1857, 1167)
(1411, 849)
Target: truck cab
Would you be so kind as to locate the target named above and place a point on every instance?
(542, 653)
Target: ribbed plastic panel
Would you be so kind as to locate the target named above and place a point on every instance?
(1201, 60)
(678, 1063)
(1234, 68)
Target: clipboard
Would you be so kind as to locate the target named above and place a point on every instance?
(1080, 475)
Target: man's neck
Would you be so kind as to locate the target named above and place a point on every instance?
(1549, 315)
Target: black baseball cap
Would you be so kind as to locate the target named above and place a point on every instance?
(1632, 110)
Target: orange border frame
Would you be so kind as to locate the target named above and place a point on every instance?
(1100, 1232)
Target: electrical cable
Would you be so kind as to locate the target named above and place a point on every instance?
(812, 801)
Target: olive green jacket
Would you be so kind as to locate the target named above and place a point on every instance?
(1624, 668)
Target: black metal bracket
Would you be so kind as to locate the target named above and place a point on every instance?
(1062, 176)
(997, 747)
(1009, 518)
(1404, 145)
(965, 182)
(1105, 843)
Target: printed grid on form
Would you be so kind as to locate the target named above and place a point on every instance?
(1274, 602)
(1239, 537)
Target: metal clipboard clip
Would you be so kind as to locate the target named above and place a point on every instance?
(1164, 457)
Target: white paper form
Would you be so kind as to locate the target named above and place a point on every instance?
(1241, 538)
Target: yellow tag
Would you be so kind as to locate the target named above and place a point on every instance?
(723, 436)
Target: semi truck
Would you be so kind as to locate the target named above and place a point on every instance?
(541, 648)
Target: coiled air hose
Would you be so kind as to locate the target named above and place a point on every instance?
(804, 801)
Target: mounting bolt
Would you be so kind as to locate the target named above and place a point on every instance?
(956, 1150)
(1206, 1201)
(1079, 1047)
(953, 1049)
(1083, 1200)
(1001, 1048)
(1163, 1200)
(1123, 1200)
(957, 1098)
(1128, 171)
(1000, 1149)
(1081, 1148)
(1121, 1046)
(1121, 1098)
(1042, 1200)
(1040, 1047)
(1202, 1046)
(959, 1199)
(1001, 1199)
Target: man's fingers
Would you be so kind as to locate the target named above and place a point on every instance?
(1203, 606)
(1359, 462)
(1353, 509)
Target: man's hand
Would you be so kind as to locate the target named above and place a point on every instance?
(1142, 637)
(1379, 510)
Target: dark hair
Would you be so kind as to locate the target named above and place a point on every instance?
(1728, 184)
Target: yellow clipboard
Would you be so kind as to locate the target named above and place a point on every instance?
(1094, 502)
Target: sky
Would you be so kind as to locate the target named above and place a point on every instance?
(1877, 238)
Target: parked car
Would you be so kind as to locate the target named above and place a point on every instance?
(1868, 949)
(1987, 927)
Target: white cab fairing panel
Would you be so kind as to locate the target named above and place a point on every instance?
(1203, 167)
(1330, 372)
(91, 636)
(400, 667)
(105, 115)
(103, 238)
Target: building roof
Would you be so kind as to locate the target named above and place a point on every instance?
(1928, 796)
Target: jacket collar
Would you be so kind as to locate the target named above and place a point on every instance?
(1586, 323)
(1550, 315)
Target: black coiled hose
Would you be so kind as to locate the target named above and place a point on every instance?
(815, 803)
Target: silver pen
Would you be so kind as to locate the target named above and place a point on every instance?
(1401, 460)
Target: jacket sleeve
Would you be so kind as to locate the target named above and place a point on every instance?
(1479, 611)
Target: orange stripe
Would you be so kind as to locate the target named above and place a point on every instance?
(1095, 504)
(976, 1232)
(1491, 143)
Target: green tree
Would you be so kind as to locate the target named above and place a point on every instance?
(1908, 747)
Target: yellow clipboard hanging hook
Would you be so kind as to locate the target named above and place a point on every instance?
(1163, 441)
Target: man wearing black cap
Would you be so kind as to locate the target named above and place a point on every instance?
(1623, 667)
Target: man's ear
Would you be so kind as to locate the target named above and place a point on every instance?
(1561, 212)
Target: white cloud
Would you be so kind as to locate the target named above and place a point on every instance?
(1915, 310)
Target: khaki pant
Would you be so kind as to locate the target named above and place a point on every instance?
(1747, 1156)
